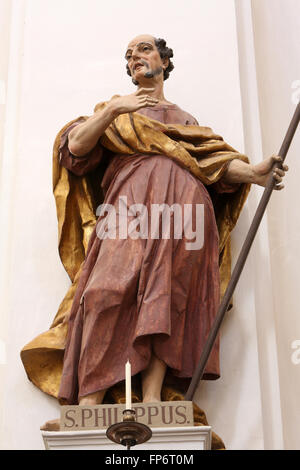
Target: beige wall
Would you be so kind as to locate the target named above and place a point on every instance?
(277, 50)
(5, 10)
(5, 16)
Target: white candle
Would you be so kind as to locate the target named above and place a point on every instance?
(128, 385)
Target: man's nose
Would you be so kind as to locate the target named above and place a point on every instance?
(136, 54)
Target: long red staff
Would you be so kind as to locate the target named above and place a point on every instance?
(241, 260)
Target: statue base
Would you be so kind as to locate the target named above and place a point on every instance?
(163, 438)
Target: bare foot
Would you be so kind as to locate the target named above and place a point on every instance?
(151, 399)
(93, 398)
(53, 425)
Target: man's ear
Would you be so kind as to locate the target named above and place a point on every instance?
(165, 62)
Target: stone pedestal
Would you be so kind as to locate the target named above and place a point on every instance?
(177, 438)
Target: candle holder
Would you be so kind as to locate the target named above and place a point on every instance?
(129, 432)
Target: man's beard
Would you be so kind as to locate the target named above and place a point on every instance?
(150, 73)
(153, 73)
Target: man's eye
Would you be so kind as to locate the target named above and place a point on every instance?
(144, 48)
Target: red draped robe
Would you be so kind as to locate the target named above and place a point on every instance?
(136, 297)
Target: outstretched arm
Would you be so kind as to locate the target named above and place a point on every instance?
(241, 172)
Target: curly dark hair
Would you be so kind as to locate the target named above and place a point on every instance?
(164, 51)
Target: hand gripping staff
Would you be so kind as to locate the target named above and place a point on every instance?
(241, 260)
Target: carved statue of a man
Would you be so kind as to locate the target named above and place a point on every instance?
(149, 299)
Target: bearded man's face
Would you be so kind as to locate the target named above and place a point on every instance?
(143, 58)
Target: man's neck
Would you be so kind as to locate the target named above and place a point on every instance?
(158, 91)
